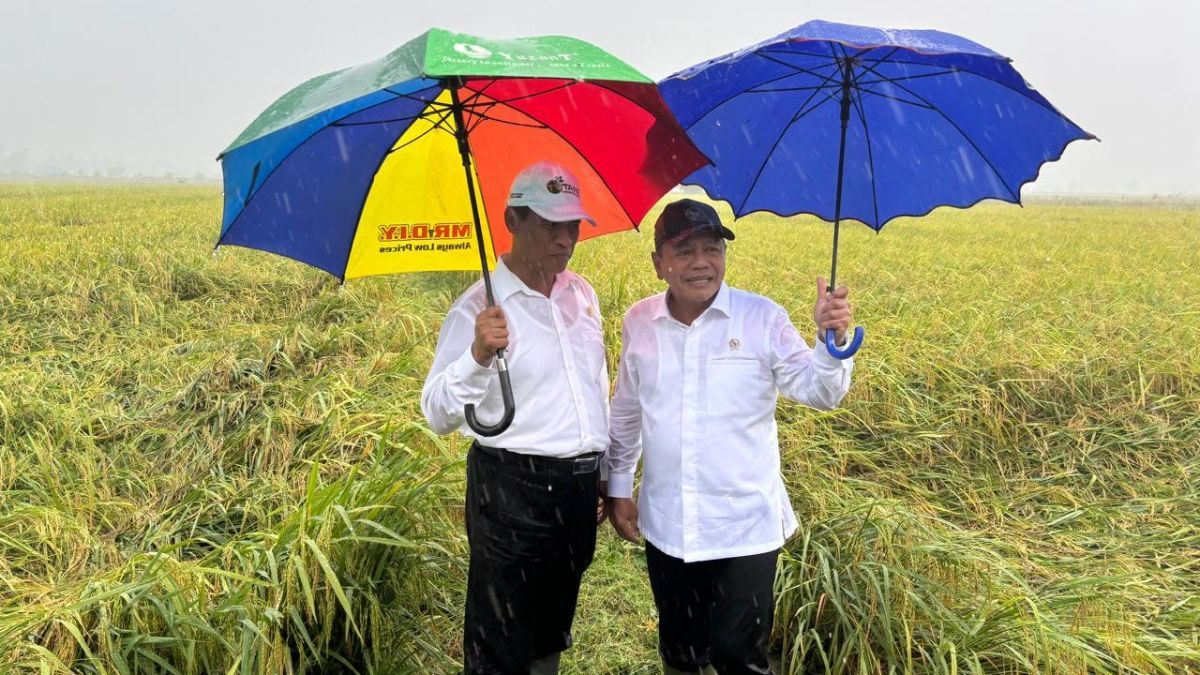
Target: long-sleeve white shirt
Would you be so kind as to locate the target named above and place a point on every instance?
(697, 404)
(556, 362)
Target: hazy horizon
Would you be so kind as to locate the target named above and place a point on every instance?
(151, 88)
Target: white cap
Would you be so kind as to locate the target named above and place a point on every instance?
(551, 190)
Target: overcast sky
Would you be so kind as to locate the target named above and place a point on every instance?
(163, 85)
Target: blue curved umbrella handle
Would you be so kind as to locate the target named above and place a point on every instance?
(855, 343)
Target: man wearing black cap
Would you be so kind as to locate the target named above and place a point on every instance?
(701, 367)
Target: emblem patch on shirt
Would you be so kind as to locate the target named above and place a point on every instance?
(735, 344)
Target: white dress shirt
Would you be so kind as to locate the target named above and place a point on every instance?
(697, 403)
(556, 362)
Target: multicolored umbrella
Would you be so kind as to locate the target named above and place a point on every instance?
(865, 123)
(404, 164)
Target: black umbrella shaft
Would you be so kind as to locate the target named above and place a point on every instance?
(847, 67)
(464, 150)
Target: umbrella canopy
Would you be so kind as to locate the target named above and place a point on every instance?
(844, 121)
(361, 171)
(404, 164)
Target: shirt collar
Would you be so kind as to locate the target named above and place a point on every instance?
(506, 283)
(720, 304)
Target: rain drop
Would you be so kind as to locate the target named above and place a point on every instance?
(343, 148)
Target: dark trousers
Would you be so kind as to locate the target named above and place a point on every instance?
(716, 612)
(531, 526)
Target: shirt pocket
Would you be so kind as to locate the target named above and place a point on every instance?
(739, 389)
(590, 338)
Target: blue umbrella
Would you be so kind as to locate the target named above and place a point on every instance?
(911, 119)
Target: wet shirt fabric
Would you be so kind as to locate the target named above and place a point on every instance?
(697, 404)
(556, 362)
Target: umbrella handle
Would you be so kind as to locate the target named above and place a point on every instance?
(510, 408)
(849, 351)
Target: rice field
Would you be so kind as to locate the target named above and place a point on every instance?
(218, 464)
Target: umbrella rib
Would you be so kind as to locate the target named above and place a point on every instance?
(830, 97)
(862, 116)
(878, 60)
(770, 91)
(526, 96)
(832, 55)
(799, 70)
(482, 117)
(744, 91)
(253, 192)
(434, 126)
(432, 107)
(429, 102)
(801, 113)
(478, 117)
(882, 79)
(860, 85)
(1019, 92)
(596, 83)
(888, 59)
(915, 104)
(603, 84)
(908, 78)
(885, 57)
(795, 69)
(476, 121)
(480, 111)
(960, 131)
(580, 154)
(767, 157)
(493, 102)
(477, 93)
(407, 118)
(474, 96)
(795, 53)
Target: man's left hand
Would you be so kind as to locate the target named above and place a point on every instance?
(601, 501)
(832, 310)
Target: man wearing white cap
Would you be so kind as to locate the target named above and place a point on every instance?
(532, 502)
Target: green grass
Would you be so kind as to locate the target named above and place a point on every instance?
(218, 463)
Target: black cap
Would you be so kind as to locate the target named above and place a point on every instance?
(683, 218)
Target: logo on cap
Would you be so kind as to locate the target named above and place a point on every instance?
(695, 215)
(473, 51)
(557, 185)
